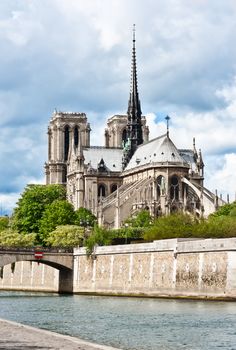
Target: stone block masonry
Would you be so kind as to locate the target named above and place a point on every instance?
(168, 268)
(185, 268)
(29, 276)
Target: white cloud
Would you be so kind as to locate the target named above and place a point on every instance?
(8, 202)
(75, 55)
(223, 178)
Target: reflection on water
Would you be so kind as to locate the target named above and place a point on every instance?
(128, 323)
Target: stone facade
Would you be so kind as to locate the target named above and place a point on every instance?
(115, 132)
(130, 172)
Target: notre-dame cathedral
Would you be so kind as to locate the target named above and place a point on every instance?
(130, 172)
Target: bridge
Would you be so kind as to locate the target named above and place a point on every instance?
(60, 259)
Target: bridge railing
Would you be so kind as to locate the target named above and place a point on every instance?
(36, 249)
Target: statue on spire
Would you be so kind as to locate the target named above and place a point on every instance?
(167, 118)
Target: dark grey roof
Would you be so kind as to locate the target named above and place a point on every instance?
(158, 150)
(112, 157)
(187, 154)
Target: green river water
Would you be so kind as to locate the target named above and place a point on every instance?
(127, 323)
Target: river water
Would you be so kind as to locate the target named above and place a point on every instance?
(127, 323)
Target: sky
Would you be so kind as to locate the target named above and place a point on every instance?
(75, 55)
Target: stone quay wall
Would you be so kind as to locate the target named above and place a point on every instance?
(167, 268)
(185, 268)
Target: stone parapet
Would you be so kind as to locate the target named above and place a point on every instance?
(177, 245)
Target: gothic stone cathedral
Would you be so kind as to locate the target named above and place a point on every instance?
(130, 172)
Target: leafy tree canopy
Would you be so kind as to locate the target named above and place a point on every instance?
(32, 204)
(100, 236)
(4, 222)
(59, 212)
(142, 219)
(65, 236)
(84, 217)
(10, 238)
(216, 227)
(225, 210)
(172, 226)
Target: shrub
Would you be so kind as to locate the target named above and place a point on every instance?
(66, 236)
(4, 222)
(225, 210)
(172, 226)
(10, 238)
(142, 219)
(100, 236)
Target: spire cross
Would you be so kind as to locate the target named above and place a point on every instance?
(167, 118)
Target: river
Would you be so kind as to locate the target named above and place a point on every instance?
(127, 323)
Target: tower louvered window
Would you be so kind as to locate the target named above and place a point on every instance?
(66, 142)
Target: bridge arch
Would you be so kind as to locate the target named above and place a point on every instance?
(62, 261)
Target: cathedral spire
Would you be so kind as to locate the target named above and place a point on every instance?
(134, 125)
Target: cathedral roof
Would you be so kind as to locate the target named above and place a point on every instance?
(112, 157)
(188, 155)
(159, 150)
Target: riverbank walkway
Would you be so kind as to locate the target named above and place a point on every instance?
(16, 336)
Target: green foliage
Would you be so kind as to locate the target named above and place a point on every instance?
(66, 236)
(142, 219)
(59, 212)
(172, 226)
(10, 238)
(4, 222)
(32, 204)
(127, 233)
(216, 227)
(225, 210)
(233, 212)
(183, 226)
(84, 217)
(100, 236)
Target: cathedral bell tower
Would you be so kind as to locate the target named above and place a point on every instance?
(65, 130)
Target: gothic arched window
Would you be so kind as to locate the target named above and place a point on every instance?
(161, 190)
(101, 191)
(174, 188)
(113, 188)
(76, 136)
(66, 142)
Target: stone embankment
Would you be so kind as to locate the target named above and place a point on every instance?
(171, 268)
(16, 336)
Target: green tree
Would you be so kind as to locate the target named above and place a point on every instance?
(10, 238)
(225, 210)
(100, 236)
(84, 217)
(32, 204)
(216, 227)
(4, 222)
(171, 226)
(59, 212)
(66, 236)
(142, 219)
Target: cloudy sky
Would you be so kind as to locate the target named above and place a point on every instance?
(74, 55)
